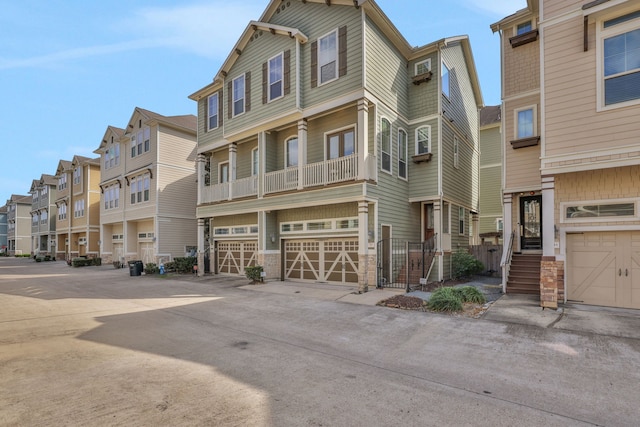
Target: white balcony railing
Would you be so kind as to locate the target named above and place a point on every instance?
(341, 169)
(282, 180)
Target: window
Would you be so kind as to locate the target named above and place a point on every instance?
(341, 144)
(402, 154)
(43, 217)
(446, 83)
(385, 144)
(112, 196)
(423, 140)
(461, 214)
(499, 224)
(456, 152)
(524, 27)
(34, 219)
(238, 95)
(140, 188)
(525, 119)
(254, 162)
(77, 173)
(328, 57)
(62, 212)
(78, 210)
(62, 182)
(112, 156)
(292, 152)
(422, 67)
(140, 142)
(212, 112)
(223, 177)
(621, 56)
(45, 190)
(600, 211)
(275, 77)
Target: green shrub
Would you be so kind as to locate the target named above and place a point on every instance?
(445, 299)
(81, 262)
(96, 261)
(47, 257)
(151, 268)
(451, 299)
(253, 273)
(184, 264)
(39, 258)
(464, 265)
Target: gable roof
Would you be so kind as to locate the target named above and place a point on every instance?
(187, 122)
(19, 199)
(372, 10)
(532, 7)
(490, 115)
(63, 165)
(116, 131)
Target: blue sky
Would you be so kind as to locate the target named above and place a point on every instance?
(70, 68)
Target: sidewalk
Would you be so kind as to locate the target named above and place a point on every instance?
(514, 309)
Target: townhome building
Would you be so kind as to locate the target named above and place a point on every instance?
(327, 143)
(78, 215)
(43, 215)
(490, 219)
(18, 224)
(148, 187)
(3, 229)
(571, 101)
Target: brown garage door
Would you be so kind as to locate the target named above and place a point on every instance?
(332, 260)
(603, 268)
(234, 256)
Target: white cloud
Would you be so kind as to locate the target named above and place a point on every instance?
(208, 30)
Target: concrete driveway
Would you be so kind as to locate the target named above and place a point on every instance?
(93, 346)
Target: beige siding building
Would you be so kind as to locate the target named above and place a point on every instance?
(148, 201)
(571, 99)
(18, 225)
(325, 139)
(78, 214)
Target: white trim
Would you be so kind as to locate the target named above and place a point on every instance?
(286, 150)
(521, 95)
(390, 171)
(429, 146)
(424, 61)
(406, 153)
(534, 109)
(493, 165)
(337, 58)
(601, 35)
(444, 64)
(531, 19)
(422, 120)
(232, 95)
(565, 205)
(353, 126)
(208, 116)
(220, 165)
(456, 152)
(269, 82)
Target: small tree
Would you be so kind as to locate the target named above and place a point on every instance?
(465, 265)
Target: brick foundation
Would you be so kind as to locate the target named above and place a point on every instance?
(551, 282)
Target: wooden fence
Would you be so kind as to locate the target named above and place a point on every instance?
(490, 256)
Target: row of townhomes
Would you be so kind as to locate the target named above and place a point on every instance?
(328, 149)
(571, 140)
(325, 132)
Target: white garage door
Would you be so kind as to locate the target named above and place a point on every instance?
(234, 256)
(332, 260)
(603, 268)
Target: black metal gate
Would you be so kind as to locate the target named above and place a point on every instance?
(402, 264)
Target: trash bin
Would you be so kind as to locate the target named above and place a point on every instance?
(139, 268)
(135, 268)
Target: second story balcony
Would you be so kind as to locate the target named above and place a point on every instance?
(313, 175)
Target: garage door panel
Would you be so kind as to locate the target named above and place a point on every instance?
(602, 267)
(332, 260)
(234, 256)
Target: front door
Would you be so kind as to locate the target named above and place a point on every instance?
(429, 228)
(531, 223)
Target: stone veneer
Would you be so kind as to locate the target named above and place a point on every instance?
(270, 263)
(551, 282)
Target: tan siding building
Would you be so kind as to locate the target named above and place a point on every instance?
(573, 198)
(147, 207)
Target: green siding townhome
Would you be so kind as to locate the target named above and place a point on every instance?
(323, 134)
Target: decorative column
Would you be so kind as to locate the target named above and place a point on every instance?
(363, 246)
(200, 161)
(507, 235)
(363, 139)
(302, 151)
(201, 267)
(233, 161)
(550, 269)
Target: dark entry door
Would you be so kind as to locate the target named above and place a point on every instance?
(531, 222)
